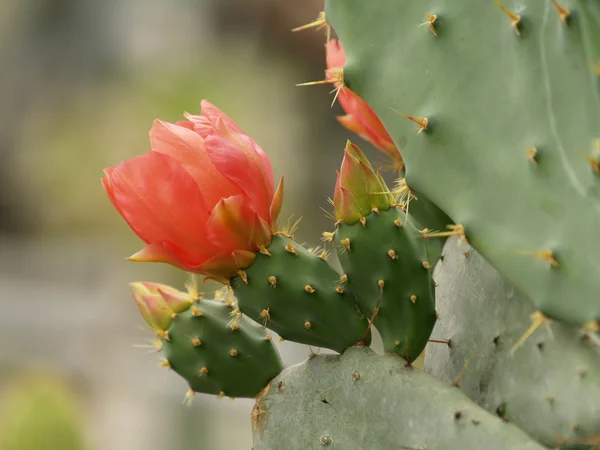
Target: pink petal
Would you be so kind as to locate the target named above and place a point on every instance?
(336, 57)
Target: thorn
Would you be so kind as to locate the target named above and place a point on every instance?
(592, 326)
(431, 18)
(346, 243)
(319, 23)
(396, 343)
(195, 311)
(461, 374)
(423, 122)
(281, 339)
(307, 325)
(221, 394)
(363, 221)
(262, 249)
(272, 281)
(594, 162)
(439, 341)
(308, 288)
(165, 363)
(563, 12)
(339, 290)
(233, 352)
(196, 342)
(532, 155)
(375, 210)
(327, 236)
(437, 315)
(515, 19)
(189, 397)
(398, 223)
(538, 319)
(203, 371)
(290, 248)
(243, 276)
(380, 283)
(343, 279)
(324, 255)
(265, 316)
(413, 298)
(268, 336)
(454, 230)
(234, 327)
(392, 254)
(334, 76)
(545, 255)
(163, 334)
(426, 265)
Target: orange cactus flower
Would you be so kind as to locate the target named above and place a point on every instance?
(359, 117)
(202, 199)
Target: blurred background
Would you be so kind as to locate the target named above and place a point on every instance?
(80, 84)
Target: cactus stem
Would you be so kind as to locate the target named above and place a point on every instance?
(272, 281)
(413, 298)
(233, 352)
(515, 19)
(344, 278)
(346, 243)
(308, 288)
(265, 316)
(423, 122)
(203, 371)
(307, 325)
(339, 290)
(545, 255)
(532, 155)
(461, 374)
(289, 247)
(243, 275)
(392, 254)
(262, 249)
(563, 12)
(597, 68)
(538, 319)
(431, 18)
(426, 265)
(196, 342)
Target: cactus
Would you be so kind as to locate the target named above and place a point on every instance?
(360, 400)
(525, 187)
(299, 296)
(547, 384)
(209, 343)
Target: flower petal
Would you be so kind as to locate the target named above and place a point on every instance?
(187, 147)
(241, 160)
(234, 224)
(162, 203)
(336, 57)
(226, 265)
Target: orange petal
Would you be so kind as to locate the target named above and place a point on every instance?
(224, 266)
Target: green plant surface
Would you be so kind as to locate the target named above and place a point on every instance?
(549, 386)
(219, 351)
(511, 147)
(295, 293)
(361, 401)
(389, 269)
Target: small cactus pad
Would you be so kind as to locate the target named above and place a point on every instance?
(361, 401)
(511, 146)
(388, 267)
(219, 351)
(548, 385)
(299, 296)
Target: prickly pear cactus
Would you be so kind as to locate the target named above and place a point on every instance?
(495, 108)
(360, 400)
(547, 384)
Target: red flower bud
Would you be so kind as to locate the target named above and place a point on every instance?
(203, 199)
(359, 117)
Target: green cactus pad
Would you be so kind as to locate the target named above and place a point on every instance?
(511, 148)
(219, 351)
(299, 296)
(389, 267)
(549, 387)
(361, 401)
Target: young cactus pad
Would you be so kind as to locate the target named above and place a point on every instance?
(360, 401)
(299, 296)
(549, 386)
(219, 351)
(511, 145)
(388, 268)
